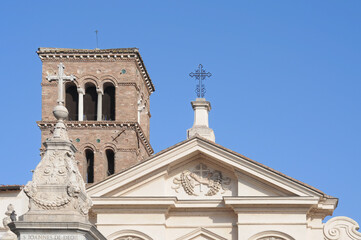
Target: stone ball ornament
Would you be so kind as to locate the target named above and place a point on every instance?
(60, 112)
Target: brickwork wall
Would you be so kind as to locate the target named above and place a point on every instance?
(129, 86)
(126, 104)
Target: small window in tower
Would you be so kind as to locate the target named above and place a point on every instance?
(71, 101)
(89, 155)
(90, 102)
(108, 105)
(110, 159)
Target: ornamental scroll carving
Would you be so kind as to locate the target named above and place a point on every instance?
(202, 181)
(341, 228)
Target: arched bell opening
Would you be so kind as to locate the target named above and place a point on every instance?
(89, 156)
(110, 160)
(108, 105)
(71, 101)
(90, 102)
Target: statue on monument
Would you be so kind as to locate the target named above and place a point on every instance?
(10, 217)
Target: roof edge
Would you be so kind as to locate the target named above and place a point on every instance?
(199, 138)
(71, 54)
(11, 187)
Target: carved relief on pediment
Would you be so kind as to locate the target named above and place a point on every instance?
(202, 180)
(130, 238)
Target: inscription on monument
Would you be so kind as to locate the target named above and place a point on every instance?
(50, 237)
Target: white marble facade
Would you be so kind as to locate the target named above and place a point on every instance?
(200, 190)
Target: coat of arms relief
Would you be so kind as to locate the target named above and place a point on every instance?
(202, 181)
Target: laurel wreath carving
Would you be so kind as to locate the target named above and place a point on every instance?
(214, 180)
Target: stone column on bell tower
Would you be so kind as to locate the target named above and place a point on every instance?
(81, 104)
(99, 106)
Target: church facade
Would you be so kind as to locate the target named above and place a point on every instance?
(195, 189)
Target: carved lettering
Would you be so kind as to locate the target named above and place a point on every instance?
(50, 237)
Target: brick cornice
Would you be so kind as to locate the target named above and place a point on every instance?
(129, 84)
(102, 124)
(95, 55)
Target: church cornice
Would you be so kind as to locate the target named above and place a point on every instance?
(94, 55)
(102, 124)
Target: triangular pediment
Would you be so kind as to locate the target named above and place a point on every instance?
(200, 169)
(201, 234)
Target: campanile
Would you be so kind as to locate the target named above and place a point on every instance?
(108, 104)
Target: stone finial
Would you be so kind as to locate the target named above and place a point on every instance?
(8, 213)
(201, 109)
(57, 191)
(10, 217)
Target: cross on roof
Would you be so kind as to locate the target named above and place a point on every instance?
(200, 75)
(61, 78)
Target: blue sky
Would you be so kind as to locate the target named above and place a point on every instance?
(285, 89)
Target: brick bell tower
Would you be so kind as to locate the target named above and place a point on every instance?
(108, 104)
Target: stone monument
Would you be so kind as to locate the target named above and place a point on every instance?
(59, 203)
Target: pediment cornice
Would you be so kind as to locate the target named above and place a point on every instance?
(201, 232)
(239, 164)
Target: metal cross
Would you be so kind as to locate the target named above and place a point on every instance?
(202, 172)
(61, 78)
(200, 75)
(96, 34)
